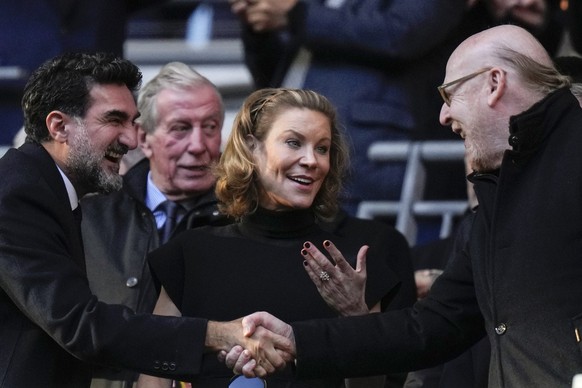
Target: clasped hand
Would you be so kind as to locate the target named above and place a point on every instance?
(263, 15)
(267, 345)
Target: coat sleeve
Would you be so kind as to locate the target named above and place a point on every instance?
(377, 30)
(51, 293)
(433, 331)
(398, 258)
(396, 30)
(267, 55)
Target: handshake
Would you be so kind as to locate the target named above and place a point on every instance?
(256, 345)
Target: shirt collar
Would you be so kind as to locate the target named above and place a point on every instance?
(72, 193)
(154, 197)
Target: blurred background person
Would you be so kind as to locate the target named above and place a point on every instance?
(279, 176)
(572, 67)
(179, 132)
(575, 23)
(33, 31)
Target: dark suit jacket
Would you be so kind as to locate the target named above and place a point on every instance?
(51, 326)
(517, 279)
(119, 231)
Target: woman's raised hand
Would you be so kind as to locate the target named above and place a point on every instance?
(341, 286)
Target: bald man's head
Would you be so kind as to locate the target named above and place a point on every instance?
(512, 49)
(491, 76)
(489, 47)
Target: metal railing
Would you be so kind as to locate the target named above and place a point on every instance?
(3, 150)
(411, 205)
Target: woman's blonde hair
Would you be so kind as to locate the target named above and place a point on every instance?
(237, 182)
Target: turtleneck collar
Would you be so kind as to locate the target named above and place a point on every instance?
(529, 128)
(278, 224)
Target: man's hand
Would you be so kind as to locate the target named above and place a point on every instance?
(239, 8)
(260, 326)
(268, 342)
(424, 279)
(263, 15)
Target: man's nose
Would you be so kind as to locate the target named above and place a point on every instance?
(196, 140)
(445, 117)
(129, 136)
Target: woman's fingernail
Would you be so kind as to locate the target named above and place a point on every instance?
(304, 252)
(326, 243)
(307, 245)
(305, 263)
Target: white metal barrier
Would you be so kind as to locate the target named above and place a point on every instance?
(411, 204)
(3, 150)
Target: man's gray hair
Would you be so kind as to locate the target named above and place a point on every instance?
(174, 75)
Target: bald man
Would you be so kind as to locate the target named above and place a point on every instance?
(515, 274)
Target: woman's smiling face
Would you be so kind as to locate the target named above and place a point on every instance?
(293, 160)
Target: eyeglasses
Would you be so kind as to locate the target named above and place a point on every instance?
(446, 97)
(242, 382)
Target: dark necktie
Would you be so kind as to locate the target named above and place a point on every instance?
(171, 209)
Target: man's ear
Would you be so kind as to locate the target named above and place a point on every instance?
(57, 124)
(142, 141)
(496, 84)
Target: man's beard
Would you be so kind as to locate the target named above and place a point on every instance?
(84, 165)
(486, 153)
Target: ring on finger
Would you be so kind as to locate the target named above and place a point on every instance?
(324, 276)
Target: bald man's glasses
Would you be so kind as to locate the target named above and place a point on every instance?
(442, 89)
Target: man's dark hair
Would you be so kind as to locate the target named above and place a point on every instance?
(64, 83)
